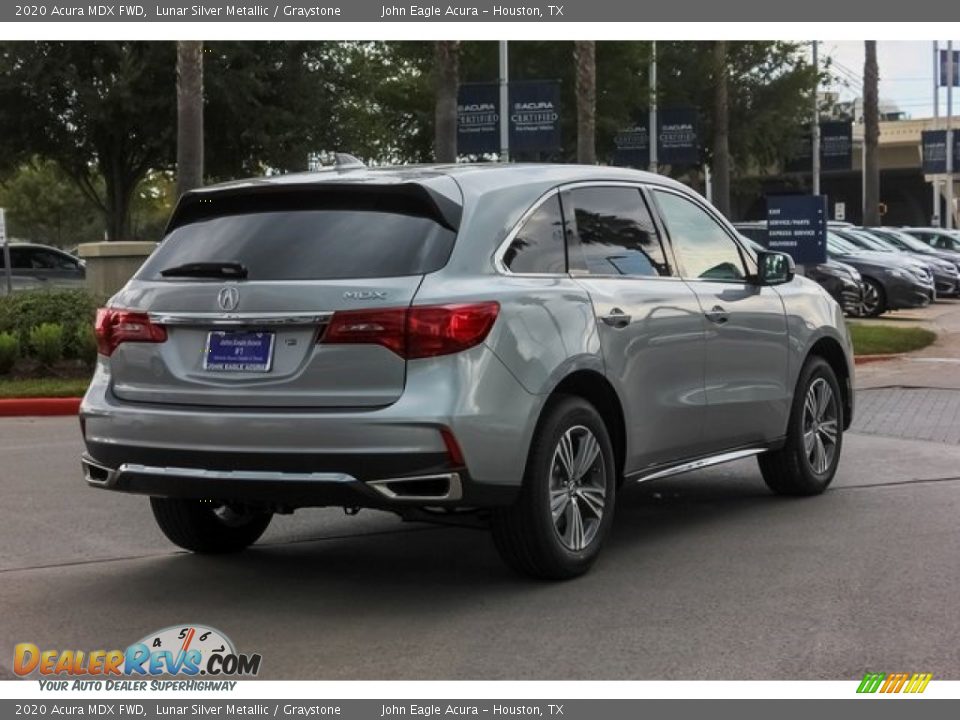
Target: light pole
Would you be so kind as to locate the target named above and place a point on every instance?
(816, 122)
(950, 158)
(935, 218)
(504, 102)
(653, 137)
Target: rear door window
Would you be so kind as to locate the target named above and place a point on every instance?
(613, 233)
(315, 238)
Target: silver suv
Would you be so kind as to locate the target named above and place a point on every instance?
(501, 345)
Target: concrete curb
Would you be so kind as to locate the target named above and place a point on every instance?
(864, 359)
(26, 407)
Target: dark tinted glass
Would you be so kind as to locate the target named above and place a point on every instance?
(538, 247)
(321, 244)
(702, 246)
(615, 234)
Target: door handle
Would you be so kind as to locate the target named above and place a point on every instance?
(617, 318)
(717, 315)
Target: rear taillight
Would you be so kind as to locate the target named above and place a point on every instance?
(113, 327)
(416, 332)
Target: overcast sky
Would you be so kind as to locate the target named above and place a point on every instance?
(906, 74)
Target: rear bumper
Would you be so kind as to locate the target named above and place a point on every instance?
(289, 489)
(470, 397)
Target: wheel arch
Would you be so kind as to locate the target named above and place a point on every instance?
(593, 387)
(830, 350)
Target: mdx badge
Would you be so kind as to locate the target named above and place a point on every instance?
(365, 295)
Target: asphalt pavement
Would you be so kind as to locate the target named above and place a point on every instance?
(706, 576)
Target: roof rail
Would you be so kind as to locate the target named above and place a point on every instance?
(345, 161)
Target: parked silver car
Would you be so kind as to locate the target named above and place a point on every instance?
(490, 344)
(34, 266)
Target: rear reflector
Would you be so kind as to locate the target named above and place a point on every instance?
(114, 327)
(415, 332)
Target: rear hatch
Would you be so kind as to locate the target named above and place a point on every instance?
(239, 304)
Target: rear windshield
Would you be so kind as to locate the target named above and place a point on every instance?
(356, 238)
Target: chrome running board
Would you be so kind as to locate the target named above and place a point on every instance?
(643, 476)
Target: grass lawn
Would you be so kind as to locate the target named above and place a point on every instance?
(43, 387)
(883, 339)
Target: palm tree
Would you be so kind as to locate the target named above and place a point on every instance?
(189, 115)
(871, 135)
(446, 55)
(585, 60)
(721, 129)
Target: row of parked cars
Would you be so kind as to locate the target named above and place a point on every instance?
(870, 271)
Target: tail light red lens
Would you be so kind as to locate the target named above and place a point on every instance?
(416, 332)
(114, 327)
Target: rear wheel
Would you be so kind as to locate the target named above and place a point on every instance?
(808, 461)
(205, 527)
(558, 524)
(874, 301)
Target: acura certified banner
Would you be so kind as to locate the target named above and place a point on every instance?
(934, 148)
(678, 141)
(534, 117)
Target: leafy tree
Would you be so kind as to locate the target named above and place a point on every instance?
(99, 109)
(44, 205)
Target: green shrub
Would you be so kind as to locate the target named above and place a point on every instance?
(46, 342)
(86, 344)
(9, 351)
(23, 311)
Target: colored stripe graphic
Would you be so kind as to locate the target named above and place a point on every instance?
(894, 682)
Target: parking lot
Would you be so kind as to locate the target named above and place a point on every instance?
(707, 576)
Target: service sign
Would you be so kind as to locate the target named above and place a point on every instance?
(797, 225)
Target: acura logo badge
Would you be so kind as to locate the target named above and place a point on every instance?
(228, 298)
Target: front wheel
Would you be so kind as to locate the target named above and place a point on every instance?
(807, 462)
(563, 514)
(205, 527)
(874, 301)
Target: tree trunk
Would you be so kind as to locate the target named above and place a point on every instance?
(721, 130)
(446, 55)
(585, 60)
(871, 135)
(118, 195)
(189, 115)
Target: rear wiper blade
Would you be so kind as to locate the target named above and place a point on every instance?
(232, 270)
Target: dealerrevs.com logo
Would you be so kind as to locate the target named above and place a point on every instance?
(178, 651)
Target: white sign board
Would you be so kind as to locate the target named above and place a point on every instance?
(840, 211)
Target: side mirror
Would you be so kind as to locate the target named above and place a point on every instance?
(774, 268)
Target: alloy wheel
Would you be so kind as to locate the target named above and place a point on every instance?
(820, 426)
(578, 488)
(870, 301)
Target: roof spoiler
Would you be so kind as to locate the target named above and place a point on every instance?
(408, 198)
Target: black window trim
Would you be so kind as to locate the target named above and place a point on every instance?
(720, 220)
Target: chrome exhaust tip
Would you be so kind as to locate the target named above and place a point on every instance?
(424, 488)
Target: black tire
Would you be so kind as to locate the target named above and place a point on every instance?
(526, 534)
(881, 304)
(790, 470)
(195, 525)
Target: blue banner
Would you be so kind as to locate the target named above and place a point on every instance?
(836, 145)
(632, 147)
(797, 225)
(934, 144)
(478, 119)
(677, 136)
(534, 116)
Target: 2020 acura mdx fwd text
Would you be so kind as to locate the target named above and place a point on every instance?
(496, 344)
